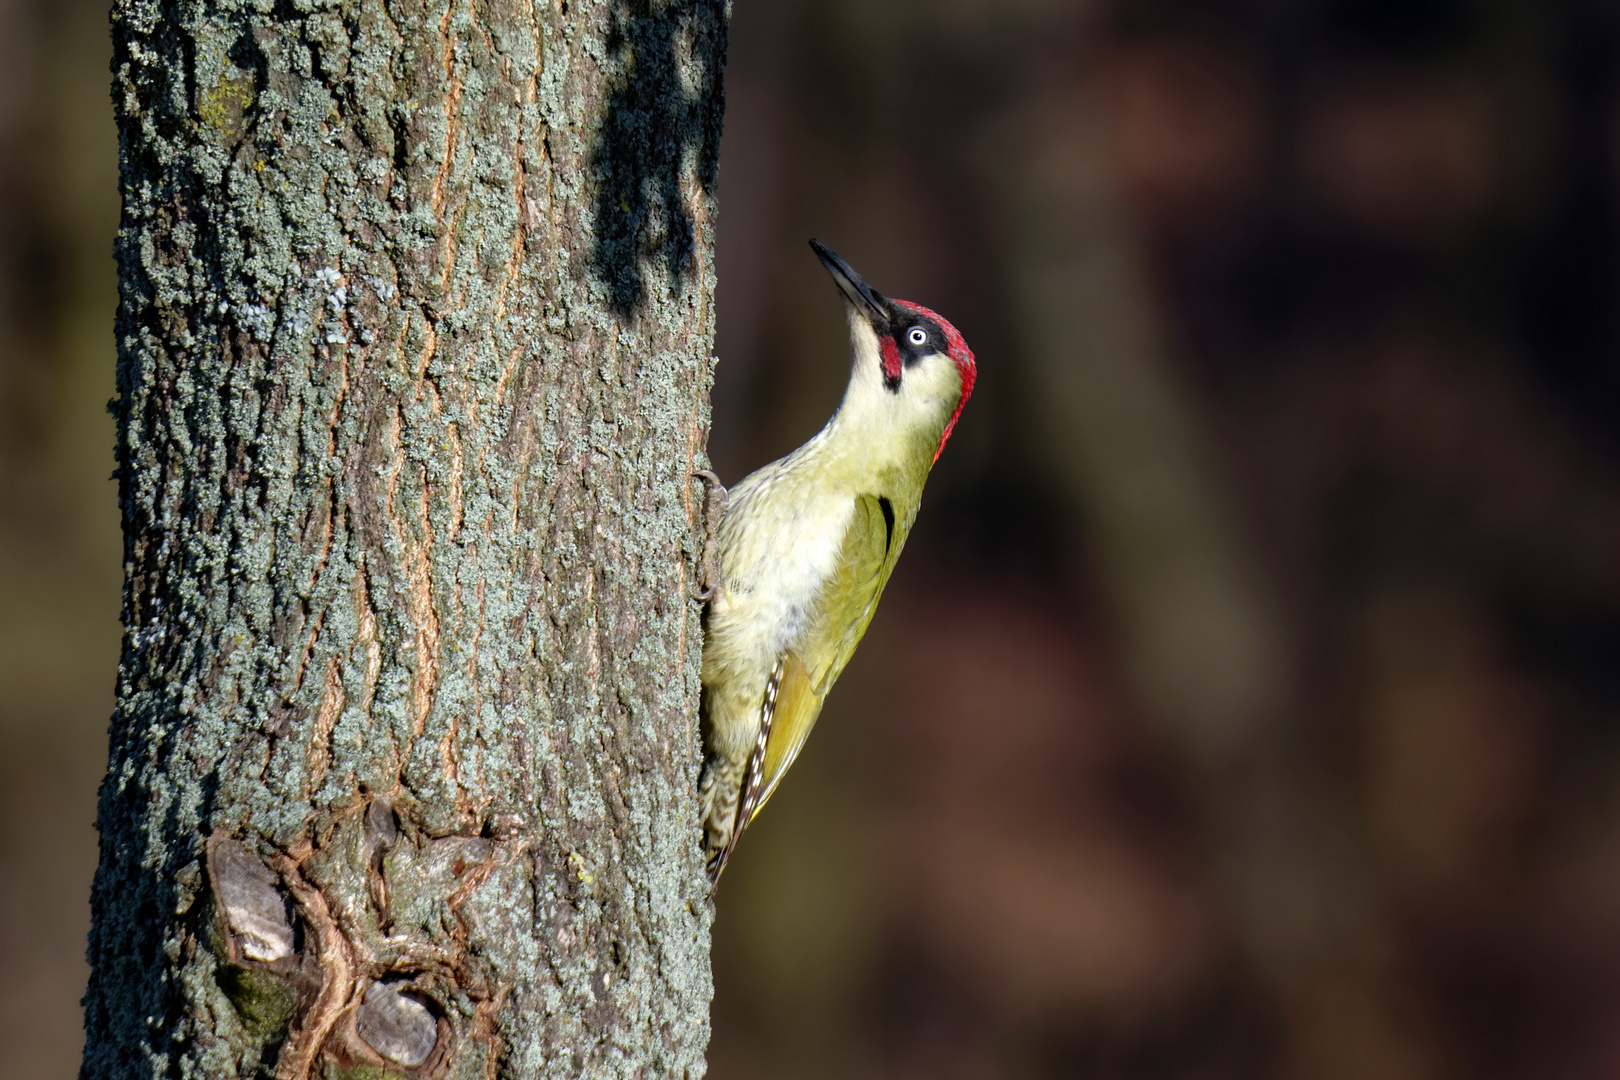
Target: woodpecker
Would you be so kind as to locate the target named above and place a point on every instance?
(806, 544)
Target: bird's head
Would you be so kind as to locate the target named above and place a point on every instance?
(908, 360)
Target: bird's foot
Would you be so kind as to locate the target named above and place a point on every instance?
(714, 495)
(714, 508)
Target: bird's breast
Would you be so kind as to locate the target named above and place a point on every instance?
(779, 546)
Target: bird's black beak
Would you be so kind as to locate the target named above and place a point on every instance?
(867, 300)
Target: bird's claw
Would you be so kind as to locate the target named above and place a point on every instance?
(711, 481)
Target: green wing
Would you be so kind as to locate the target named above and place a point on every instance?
(871, 546)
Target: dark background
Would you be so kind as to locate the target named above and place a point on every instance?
(1246, 703)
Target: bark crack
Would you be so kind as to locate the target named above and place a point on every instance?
(308, 1034)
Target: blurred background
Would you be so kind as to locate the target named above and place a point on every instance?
(1246, 704)
(59, 545)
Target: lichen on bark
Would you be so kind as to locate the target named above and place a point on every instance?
(415, 341)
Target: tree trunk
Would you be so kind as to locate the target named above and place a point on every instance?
(414, 356)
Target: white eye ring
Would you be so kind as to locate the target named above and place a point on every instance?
(918, 336)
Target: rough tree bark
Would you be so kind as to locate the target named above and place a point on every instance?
(414, 353)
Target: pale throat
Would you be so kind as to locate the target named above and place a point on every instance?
(877, 429)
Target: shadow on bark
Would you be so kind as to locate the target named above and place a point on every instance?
(669, 69)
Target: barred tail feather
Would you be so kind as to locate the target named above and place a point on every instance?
(730, 795)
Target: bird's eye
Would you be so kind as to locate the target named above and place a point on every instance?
(918, 336)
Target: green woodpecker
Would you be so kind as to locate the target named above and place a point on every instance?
(806, 544)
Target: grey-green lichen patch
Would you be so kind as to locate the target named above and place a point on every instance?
(408, 517)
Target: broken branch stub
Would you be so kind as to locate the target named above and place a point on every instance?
(397, 1026)
(257, 913)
